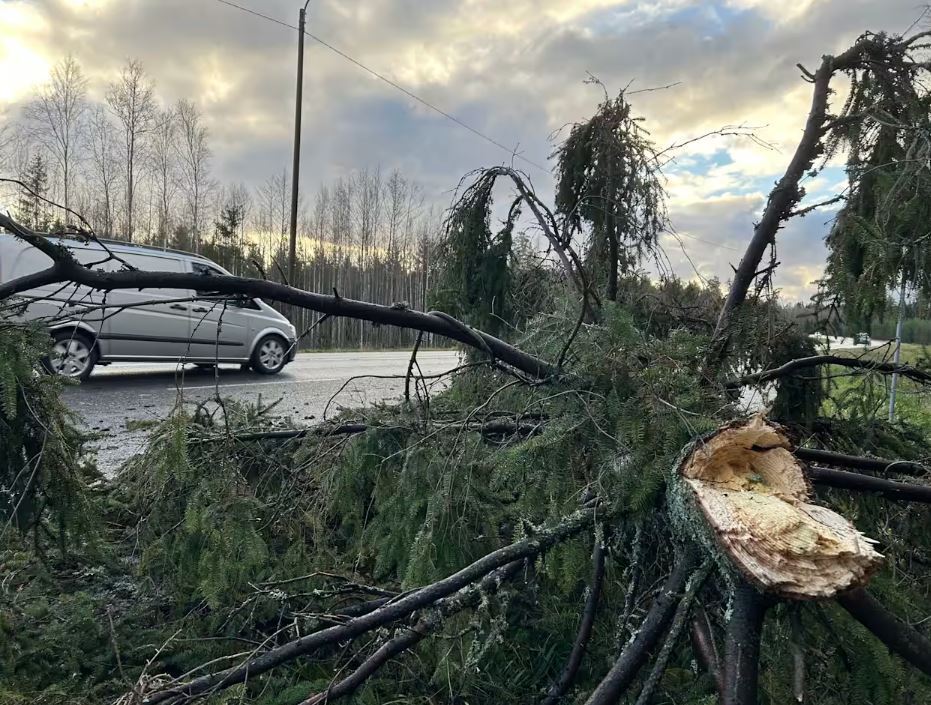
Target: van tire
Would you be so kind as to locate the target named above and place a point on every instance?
(79, 351)
(270, 355)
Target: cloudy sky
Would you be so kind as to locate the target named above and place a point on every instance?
(512, 69)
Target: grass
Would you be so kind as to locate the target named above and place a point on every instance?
(866, 395)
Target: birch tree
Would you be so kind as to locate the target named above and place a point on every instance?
(103, 169)
(56, 118)
(164, 164)
(194, 166)
(131, 98)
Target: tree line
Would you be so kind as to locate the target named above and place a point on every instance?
(916, 321)
(141, 169)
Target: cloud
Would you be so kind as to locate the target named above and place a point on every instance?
(513, 70)
(22, 64)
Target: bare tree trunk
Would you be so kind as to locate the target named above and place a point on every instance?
(742, 646)
(132, 100)
(57, 115)
(195, 164)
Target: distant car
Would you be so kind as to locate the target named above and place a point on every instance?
(151, 325)
(861, 339)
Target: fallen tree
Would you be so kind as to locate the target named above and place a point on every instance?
(690, 507)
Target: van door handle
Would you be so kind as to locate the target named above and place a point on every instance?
(201, 309)
(178, 307)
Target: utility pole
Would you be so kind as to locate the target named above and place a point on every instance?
(296, 163)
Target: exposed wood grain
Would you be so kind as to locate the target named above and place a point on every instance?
(754, 495)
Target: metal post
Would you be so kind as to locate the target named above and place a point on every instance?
(296, 164)
(898, 342)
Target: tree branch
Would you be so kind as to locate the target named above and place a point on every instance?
(705, 650)
(410, 367)
(563, 250)
(635, 654)
(678, 622)
(411, 636)
(68, 269)
(346, 429)
(901, 639)
(858, 462)
(903, 491)
(781, 201)
(742, 646)
(391, 612)
(816, 206)
(488, 428)
(788, 368)
(571, 669)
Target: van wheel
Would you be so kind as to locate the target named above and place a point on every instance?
(270, 355)
(73, 355)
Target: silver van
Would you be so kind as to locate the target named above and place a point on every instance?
(92, 327)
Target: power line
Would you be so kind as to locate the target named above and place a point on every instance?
(705, 242)
(391, 83)
(424, 102)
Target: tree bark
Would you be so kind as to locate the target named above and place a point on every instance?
(742, 646)
(903, 491)
(859, 462)
(898, 636)
(635, 654)
(391, 612)
(561, 686)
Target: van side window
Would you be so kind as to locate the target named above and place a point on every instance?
(209, 270)
(202, 268)
(153, 263)
(156, 263)
(95, 258)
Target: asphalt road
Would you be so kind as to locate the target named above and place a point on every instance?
(123, 394)
(118, 396)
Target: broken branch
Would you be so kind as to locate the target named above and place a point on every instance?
(391, 612)
(635, 654)
(742, 646)
(561, 686)
(66, 268)
(901, 639)
(903, 491)
(788, 368)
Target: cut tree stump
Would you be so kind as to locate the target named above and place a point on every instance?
(753, 494)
